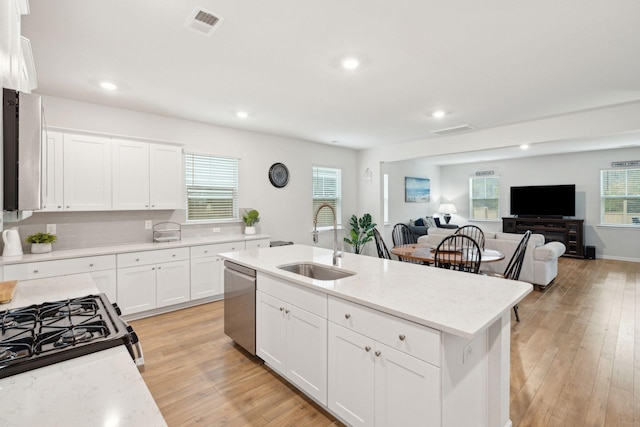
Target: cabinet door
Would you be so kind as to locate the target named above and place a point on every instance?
(106, 282)
(52, 173)
(351, 375)
(172, 281)
(205, 277)
(87, 173)
(270, 331)
(307, 352)
(407, 390)
(136, 288)
(130, 175)
(166, 177)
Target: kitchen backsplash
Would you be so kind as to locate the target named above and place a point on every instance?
(93, 229)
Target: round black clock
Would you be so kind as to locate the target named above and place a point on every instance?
(279, 175)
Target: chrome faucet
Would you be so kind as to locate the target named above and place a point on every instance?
(336, 254)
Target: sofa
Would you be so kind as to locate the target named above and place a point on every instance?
(540, 265)
(421, 226)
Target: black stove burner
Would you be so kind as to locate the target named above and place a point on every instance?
(51, 332)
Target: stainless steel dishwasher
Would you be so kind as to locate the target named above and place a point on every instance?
(240, 305)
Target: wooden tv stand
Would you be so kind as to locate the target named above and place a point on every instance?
(567, 231)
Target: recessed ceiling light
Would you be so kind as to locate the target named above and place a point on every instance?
(438, 114)
(108, 85)
(524, 146)
(242, 114)
(350, 63)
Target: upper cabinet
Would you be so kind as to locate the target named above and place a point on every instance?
(95, 173)
(17, 70)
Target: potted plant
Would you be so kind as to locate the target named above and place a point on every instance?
(361, 232)
(41, 242)
(250, 218)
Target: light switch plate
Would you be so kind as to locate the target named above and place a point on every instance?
(51, 228)
(148, 224)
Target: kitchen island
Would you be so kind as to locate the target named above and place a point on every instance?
(103, 388)
(392, 344)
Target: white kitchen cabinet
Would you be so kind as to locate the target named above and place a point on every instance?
(52, 173)
(152, 279)
(16, 59)
(106, 281)
(87, 173)
(130, 175)
(207, 268)
(166, 179)
(256, 244)
(291, 334)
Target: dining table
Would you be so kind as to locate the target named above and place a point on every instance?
(426, 253)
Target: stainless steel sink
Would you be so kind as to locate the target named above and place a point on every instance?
(316, 271)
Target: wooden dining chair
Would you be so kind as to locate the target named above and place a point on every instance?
(458, 252)
(474, 232)
(383, 252)
(514, 267)
(402, 235)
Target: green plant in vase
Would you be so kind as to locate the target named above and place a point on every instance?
(250, 218)
(361, 232)
(41, 242)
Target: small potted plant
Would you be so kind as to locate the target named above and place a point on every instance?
(41, 242)
(250, 218)
(361, 232)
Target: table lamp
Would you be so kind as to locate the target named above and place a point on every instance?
(447, 209)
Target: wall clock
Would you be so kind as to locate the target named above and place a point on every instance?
(279, 175)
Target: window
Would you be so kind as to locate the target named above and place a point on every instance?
(327, 188)
(484, 197)
(212, 188)
(620, 196)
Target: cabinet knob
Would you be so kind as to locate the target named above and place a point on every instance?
(90, 265)
(153, 268)
(206, 252)
(287, 311)
(378, 353)
(174, 255)
(59, 207)
(68, 206)
(159, 267)
(281, 308)
(137, 259)
(402, 337)
(146, 206)
(367, 348)
(347, 316)
(35, 271)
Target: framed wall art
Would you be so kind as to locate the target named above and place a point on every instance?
(417, 190)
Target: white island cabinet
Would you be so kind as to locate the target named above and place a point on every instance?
(398, 343)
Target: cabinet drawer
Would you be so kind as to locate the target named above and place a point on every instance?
(307, 299)
(409, 337)
(212, 250)
(255, 244)
(152, 257)
(36, 270)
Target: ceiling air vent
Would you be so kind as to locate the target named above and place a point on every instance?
(628, 163)
(456, 129)
(203, 21)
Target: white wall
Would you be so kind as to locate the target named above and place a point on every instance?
(286, 214)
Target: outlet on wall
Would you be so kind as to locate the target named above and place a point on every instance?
(216, 229)
(51, 228)
(148, 225)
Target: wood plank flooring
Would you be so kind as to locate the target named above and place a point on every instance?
(575, 360)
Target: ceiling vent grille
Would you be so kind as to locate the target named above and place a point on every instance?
(203, 21)
(456, 129)
(628, 163)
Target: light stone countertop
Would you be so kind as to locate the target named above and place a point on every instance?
(98, 389)
(130, 247)
(458, 303)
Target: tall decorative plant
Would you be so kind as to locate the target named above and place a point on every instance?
(361, 232)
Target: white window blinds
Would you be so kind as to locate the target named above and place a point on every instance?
(212, 188)
(484, 197)
(620, 196)
(327, 188)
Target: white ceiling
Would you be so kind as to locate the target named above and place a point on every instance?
(488, 63)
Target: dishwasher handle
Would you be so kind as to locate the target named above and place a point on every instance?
(240, 268)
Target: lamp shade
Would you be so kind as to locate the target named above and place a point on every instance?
(447, 208)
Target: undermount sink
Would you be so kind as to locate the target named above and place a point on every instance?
(316, 271)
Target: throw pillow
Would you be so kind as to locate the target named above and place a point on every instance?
(419, 222)
(429, 222)
(437, 220)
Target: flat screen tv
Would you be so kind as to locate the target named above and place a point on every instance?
(544, 201)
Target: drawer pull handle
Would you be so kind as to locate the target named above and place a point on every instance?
(206, 252)
(378, 353)
(402, 337)
(137, 259)
(174, 255)
(347, 316)
(287, 311)
(90, 265)
(35, 271)
(281, 308)
(367, 348)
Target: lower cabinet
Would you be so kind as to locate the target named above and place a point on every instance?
(293, 340)
(207, 268)
(106, 281)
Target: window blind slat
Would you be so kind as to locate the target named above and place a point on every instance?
(620, 196)
(212, 187)
(327, 188)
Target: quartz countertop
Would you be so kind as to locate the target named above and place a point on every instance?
(100, 389)
(129, 247)
(458, 303)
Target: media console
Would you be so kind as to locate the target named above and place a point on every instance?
(567, 231)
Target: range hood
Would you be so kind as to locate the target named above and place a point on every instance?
(22, 154)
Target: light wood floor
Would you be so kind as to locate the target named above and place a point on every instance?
(575, 360)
